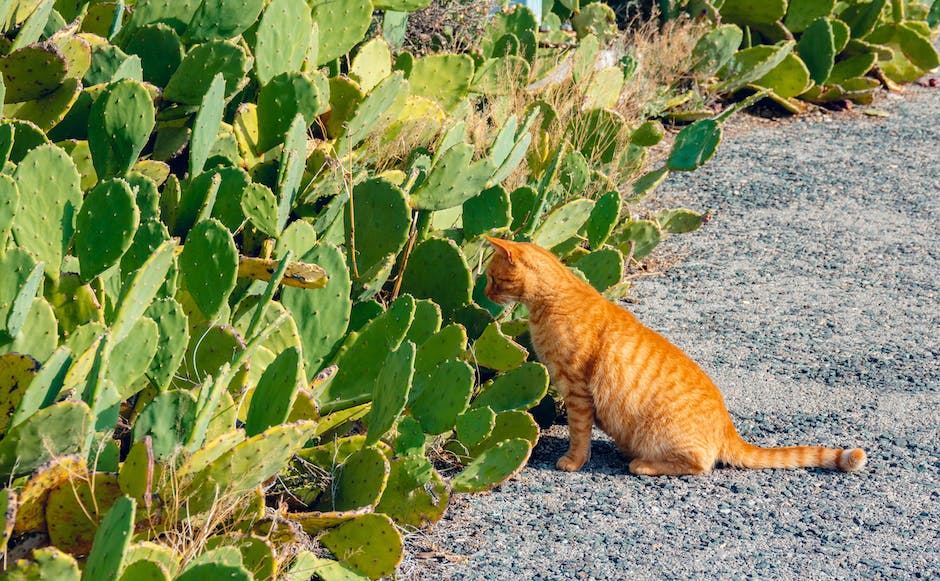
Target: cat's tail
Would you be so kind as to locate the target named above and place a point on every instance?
(744, 455)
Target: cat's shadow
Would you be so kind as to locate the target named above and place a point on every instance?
(606, 458)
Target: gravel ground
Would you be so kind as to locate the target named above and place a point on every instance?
(811, 299)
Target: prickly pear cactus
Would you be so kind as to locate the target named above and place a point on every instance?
(57, 430)
(370, 544)
(493, 467)
(119, 126)
(111, 541)
(105, 227)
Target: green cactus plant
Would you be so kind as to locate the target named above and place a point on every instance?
(322, 315)
(99, 244)
(32, 72)
(209, 265)
(57, 430)
(174, 336)
(194, 76)
(358, 482)
(493, 467)
(433, 260)
(281, 99)
(440, 394)
(275, 393)
(8, 507)
(44, 218)
(369, 543)
(140, 289)
(817, 49)
(341, 26)
(518, 388)
(443, 78)
(353, 384)
(637, 238)
(282, 39)
(17, 291)
(602, 268)
(475, 425)
(496, 351)
(409, 503)
(377, 226)
(206, 125)
(372, 113)
(16, 373)
(485, 213)
(168, 420)
(76, 508)
(111, 541)
(47, 563)
(694, 145)
(119, 126)
(453, 180)
(130, 358)
(715, 48)
(43, 387)
(563, 223)
(221, 20)
(390, 393)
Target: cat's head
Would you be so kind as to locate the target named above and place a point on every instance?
(520, 271)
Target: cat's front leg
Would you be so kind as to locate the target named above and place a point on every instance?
(580, 422)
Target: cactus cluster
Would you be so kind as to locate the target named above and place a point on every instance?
(241, 240)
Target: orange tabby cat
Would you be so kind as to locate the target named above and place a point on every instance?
(656, 403)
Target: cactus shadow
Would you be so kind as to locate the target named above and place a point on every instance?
(606, 458)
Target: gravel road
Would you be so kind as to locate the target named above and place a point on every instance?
(811, 299)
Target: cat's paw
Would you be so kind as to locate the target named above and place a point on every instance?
(569, 464)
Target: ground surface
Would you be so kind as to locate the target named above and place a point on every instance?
(813, 301)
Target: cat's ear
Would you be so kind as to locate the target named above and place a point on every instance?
(503, 247)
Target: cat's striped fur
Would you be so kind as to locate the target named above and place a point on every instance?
(660, 408)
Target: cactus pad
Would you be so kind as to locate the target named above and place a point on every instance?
(194, 75)
(637, 238)
(679, 221)
(602, 268)
(817, 49)
(496, 351)
(44, 218)
(34, 496)
(75, 509)
(380, 223)
(427, 322)
(563, 223)
(341, 24)
(379, 107)
(282, 38)
(694, 145)
(8, 507)
(390, 393)
(321, 314)
(369, 543)
(353, 384)
(441, 394)
(221, 19)
(475, 425)
(486, 212)
(716, 47)
(493, 467)
(16, 373)
(54, 431)
(105, 227)
(119, 126)
(174, 336)
(444, 78)
(409, 505)
(274, 395)
(111, 541)
(209, 264)
(168, 419)
(359, 482)
(138, 292)
(47, 563)
(750, 64)
(373, 63)
(452, 180)
(519, 388)
(32, 72)
(283, 98)
(788, 79)
(430, 262)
